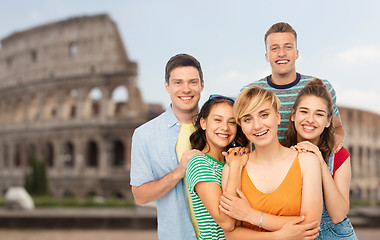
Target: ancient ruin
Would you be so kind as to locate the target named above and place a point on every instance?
(363, 142)
(58, 102)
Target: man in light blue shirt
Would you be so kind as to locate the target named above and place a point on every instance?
(156, 173)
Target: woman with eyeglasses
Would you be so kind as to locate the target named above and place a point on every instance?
(216, 129)
(278, 184)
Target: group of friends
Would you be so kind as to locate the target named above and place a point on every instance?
(267, 165)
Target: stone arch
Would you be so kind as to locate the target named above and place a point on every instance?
(93, 102)
(92, 154)
(18, 111)
(17, 156)
(73, 49)
(8, 113)
(68, 155)
(31, 153)
(32, 112)
(50, 107)
(70, 104)
(118, 153)
(120, 97)
(49, 154)
(5, 155)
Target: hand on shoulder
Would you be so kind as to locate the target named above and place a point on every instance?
(307, 146)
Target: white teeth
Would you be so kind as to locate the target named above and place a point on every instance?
(223, 135)
(282, 62)
(308, 128)
(185, 98)
(261, 134)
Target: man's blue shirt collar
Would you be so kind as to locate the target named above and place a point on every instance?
(171, 119)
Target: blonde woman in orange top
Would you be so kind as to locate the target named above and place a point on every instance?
(279, 183)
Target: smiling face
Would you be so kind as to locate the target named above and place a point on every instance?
(281, 53)
(261, 125)
(310, 118)
(185, 88)
(220, 127)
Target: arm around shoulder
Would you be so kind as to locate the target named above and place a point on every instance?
(339, 133)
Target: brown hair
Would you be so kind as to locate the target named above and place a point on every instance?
(182, 60)
(280, 27)
(251, 98)
(198, 138)
(326, 141)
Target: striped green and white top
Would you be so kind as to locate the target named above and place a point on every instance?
(287, 95)
(204, 168)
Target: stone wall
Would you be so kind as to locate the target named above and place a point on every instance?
(363, 142)
(58, 102)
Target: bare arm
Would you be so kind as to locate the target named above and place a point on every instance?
(154, 190)
(312, 201)
(293, 230)
(239, 208)
(210, 193)
(339, 134)
(335, 191)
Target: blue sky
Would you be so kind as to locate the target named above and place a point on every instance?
(337, 40)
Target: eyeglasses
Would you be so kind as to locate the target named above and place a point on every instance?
(220, 97)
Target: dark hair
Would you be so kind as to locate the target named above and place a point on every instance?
(326, 141)
(280, 27)
(198, 138)
(182, 60)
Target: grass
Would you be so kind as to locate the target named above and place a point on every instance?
(357, 202)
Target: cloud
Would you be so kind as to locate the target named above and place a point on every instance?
(364, 100)
(359, 55)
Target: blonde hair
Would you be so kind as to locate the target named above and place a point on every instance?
(251, 99)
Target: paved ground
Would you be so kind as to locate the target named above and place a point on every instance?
(363, 234)
(366, 221)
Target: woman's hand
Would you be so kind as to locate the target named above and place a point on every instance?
(236, 207)
(307, 146)
(294, 229)
(237, 154)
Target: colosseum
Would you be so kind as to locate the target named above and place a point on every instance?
(363, 142)
(59, 88)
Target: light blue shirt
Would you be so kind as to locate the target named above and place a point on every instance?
(154, 156)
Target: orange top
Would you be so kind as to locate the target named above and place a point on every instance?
(284, 201)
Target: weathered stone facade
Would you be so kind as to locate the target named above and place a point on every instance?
(363, 142)
(49, 76)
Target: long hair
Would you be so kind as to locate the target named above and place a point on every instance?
(198, 139)
(326, 141)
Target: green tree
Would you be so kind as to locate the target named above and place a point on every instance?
(35, 180)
